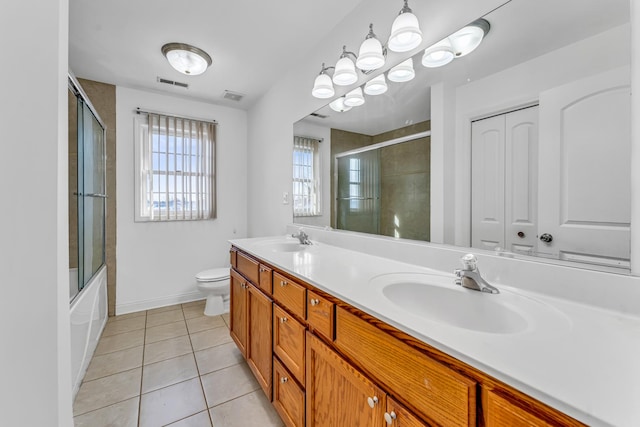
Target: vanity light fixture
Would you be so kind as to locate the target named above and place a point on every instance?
(345, 70)
(371, 54)
(402, 72)
(354, 98)
(405, 31)
(467, 39)
(338, 105)
(323, 87)
(186, 59)
(438, 55)
(376, 86)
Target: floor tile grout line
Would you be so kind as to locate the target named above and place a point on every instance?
(104, 407)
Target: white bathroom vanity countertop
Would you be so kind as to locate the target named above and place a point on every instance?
(580, 359)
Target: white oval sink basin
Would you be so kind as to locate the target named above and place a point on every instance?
(438, 299)
(284, 246)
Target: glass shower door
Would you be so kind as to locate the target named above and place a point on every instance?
(358, 192)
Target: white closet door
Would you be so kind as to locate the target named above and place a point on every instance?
(584, 188)
(521, 182)
(487, 183)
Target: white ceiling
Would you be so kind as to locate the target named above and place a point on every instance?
(250, 41)
(520, 30)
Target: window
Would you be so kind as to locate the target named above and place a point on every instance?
(175, 168)
(306, 176)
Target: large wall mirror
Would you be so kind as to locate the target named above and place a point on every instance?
(520, 147)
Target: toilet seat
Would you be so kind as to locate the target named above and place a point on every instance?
(213, 275)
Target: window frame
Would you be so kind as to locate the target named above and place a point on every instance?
(315, 195)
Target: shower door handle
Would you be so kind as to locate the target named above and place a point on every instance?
(102, 196)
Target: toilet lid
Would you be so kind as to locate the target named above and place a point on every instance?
(213, 275)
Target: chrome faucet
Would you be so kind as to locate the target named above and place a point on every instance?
(469, 276)
(303, 237)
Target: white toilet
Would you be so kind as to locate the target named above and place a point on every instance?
(214, 284)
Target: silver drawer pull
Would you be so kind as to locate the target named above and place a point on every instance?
(283, 320)
(284, 380)
(389, 417)
(372, 401)
(314, 301)
(283, 283)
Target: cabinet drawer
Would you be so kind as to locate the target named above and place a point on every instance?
(289, 294)
(320, 314)
(502, 413)
(248, 267)
(266, 282)
(288, 342)
(435, 391)
(288, 397)
(232, 257)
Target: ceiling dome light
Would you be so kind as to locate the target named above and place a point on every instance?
(376, 86)
(438, 55)
(402, 72)
(405, 31)
(354, 98)
(465, 41)
(186, 59)
(370, 55)
(345, 73)
(339, 106)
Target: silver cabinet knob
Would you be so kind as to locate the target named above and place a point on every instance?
(546, 238)
(284, 380)
(283, 320)
(372, 401)
(389, 417)
(283, 283)
(314, 301)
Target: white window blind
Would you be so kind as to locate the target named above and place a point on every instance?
(175, 168)
(306, 176)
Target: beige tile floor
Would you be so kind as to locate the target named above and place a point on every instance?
(170, 366)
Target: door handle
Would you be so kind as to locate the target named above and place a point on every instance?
(546, 238)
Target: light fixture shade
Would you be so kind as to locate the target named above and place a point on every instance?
(339, 106)
(370, 56)
(186, 59)
(322, 87)
(402, 72)
(354, 98)
(438, 55)
(466, 40)
(405, 33)
(376, 86)
(345, 73)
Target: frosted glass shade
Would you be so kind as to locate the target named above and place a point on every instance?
(405, 33)
(466, 40)
(186, 59)
(402, 72)
(438, 55)
(322, 87)
(376, 86)
(338, 105)
(370, 56)
(345, 73)
(354, 98)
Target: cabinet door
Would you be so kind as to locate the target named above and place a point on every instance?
(399, 416)
(288, 397)
(238, 304)
(259, 321)
(337, 394)
(288, 342)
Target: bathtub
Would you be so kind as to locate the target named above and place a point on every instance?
(88, 313)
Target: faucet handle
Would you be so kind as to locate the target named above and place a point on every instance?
(469, 262)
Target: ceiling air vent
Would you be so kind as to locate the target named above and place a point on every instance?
(173, 83)
(233, 96)
(320, 116)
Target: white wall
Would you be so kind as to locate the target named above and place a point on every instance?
(34, 308)
(272, 117)
(515, 87)
(323, 133)
(157, 261)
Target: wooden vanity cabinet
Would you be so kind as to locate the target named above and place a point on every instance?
(260, 337)
(337, 394)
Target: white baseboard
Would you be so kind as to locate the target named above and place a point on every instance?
(148, 304)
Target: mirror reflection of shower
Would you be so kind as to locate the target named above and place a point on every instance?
(87, 190)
